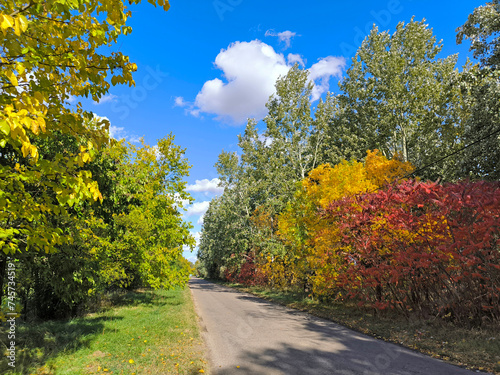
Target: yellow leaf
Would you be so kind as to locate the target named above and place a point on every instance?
(131, 361)
(34, 152)
(25, 149)
(41, 123)
(35, 127)
(17, 27)
(6, 21)
(23, 22)
(5, 127)
(20, 68)
(12, 77)
(201, 370)
(38, 96)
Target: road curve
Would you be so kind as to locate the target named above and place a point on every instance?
(263, 338)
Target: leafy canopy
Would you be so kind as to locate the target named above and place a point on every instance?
(50, 54)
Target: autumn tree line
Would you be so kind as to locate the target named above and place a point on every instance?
(80, 213)
(386, 194)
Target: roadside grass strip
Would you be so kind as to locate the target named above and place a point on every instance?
(140, 332)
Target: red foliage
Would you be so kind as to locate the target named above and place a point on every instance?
(423, 247)
(248, 274)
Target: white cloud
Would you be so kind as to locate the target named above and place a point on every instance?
(267, 140)
(116, 132)
(284, 36)
(206, 186)
(106, 99)
(189, 107)
(295, 58)
(198, 208)
(322, 71)
(251, 70)
(180, 102)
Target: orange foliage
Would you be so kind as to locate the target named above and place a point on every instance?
(313, 242)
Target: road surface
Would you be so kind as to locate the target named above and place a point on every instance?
(248, 335)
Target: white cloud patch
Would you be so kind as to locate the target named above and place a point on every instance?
(116, 132)
(322, 71)
(106, 99)
(251, 70)
(284, 36)
(190, 108)
(180, 102)
(197, 237)
(197, 208)
(295, 58)
(206, 186)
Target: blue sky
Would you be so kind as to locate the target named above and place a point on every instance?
(205, 66)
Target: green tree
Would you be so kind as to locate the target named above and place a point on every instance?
(482, 29)
(400, 98)
(146, 242)
(481, 86)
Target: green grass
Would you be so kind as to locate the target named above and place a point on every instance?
(141, 332)
(477, 349)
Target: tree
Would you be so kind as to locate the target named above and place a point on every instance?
(398, 97)
(134, 238)
(261, 182)
(290, 127)
(50, 52)
(147, 242)
(481, 86)
(483, 30)
(308, 238)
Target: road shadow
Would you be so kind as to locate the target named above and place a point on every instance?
(308, 345)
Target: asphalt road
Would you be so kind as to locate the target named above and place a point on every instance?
(264, 338)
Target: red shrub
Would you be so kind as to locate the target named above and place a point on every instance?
(423, 247)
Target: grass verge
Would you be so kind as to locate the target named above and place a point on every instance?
(140, 332)
(477, 349)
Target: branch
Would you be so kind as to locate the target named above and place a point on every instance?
(23, 9)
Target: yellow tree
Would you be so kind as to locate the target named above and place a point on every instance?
(313, 241)
(50, 54)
